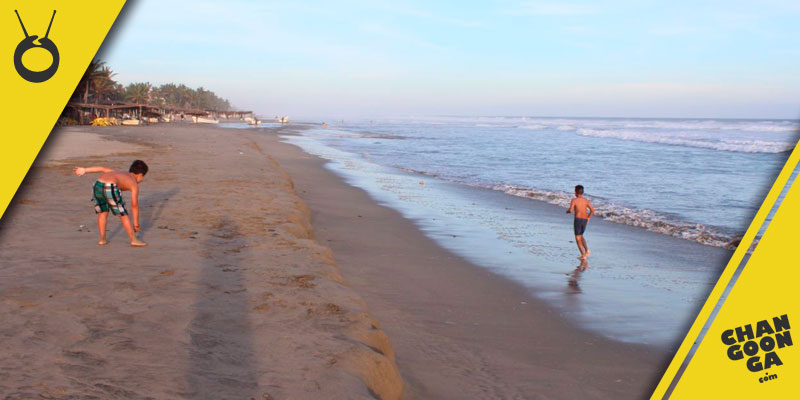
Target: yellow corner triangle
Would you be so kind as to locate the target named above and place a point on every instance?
(30, 110)
(765, 289)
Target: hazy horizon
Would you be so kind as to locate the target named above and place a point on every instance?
(320, 60)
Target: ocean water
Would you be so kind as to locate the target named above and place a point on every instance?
(673, 198)
(700, 180)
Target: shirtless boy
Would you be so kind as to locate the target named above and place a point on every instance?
(107, 197)
(580, 204)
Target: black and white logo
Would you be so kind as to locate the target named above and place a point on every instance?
(30, 42)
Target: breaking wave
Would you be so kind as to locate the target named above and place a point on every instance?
(641, 218)
(735, 145)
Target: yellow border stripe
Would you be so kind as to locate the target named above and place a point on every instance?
(727, 274)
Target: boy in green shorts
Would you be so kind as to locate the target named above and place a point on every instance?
(107, 197)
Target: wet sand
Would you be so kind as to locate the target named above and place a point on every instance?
(232, 299)
(459, 331)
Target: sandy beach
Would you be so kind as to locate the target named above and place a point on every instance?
(232, 299)
(262, 278)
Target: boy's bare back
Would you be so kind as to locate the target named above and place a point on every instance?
(580, 204)
(123, 180)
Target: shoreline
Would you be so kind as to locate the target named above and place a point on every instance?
(459, 330)
(640, 286)
(436, 324)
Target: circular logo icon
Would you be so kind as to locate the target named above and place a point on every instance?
(29, 43)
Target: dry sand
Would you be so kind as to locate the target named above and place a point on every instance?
(233, 299)
(69, 144)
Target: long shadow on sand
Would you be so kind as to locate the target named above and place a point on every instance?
(151, 206)
(221, 354)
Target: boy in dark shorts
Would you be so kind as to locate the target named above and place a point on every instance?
(107, 197)
(580, 205)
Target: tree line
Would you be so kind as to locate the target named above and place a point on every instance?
(98, 86)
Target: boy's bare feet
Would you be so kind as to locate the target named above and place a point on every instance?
(586, 255)
(138, 243)
(102, 242)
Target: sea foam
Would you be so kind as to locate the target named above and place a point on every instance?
(642, 218)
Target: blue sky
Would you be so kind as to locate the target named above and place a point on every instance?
(371, 59)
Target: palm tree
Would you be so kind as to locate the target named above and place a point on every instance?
(104, 83)
(139, 92)
(92, 73)
(117, 92)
